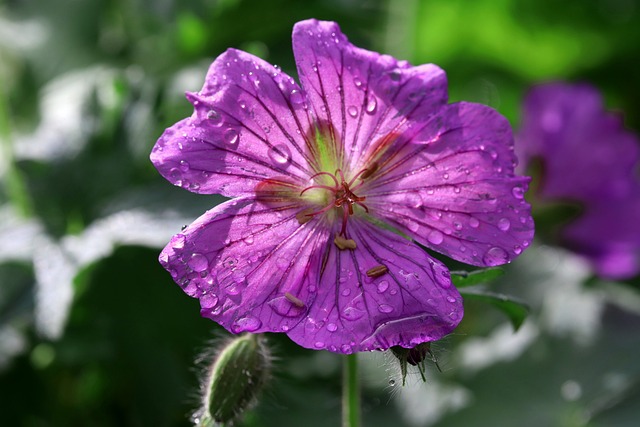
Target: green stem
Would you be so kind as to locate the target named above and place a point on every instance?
(350, 392)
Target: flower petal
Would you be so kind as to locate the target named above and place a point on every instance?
(608, 235)
(247, 262)
(369, 99)
(249, 124)
(453, 188)
(386, 292)
(587, 153)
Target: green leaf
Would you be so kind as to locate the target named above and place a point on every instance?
(515, 309)
(462, 279)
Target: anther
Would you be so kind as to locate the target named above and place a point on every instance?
(294, 300)
(304, 216)
(377, 271)
(343, 243)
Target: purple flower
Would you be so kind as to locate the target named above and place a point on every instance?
(587, 158)
(334, 183)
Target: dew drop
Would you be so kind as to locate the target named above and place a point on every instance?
(473, 222)
(248, 323)
(184, 166)
(208, 301)
(198, 262)
(346, 292)
(518, 192)
(414, 199)
(280, 154)
(332, 327)
(249, 239)
(231, 137)
(296, 97)
(504, 224)
(517, 249)
(436, 237)
(318, 344)
(392, 383)
(372, 104)
(451, 299)
(346, 348)
(385, 308)
(213, 115)
(353, 111)
(383, 286)
(495, 256)
(178, 241)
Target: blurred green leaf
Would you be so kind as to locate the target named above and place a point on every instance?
(462, 279)
(515, 309)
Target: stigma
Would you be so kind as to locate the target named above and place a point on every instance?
(342, 194)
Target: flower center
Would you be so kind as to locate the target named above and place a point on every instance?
(343, 194)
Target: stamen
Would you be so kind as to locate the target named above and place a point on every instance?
(343, 243)
(294, 300)
(304, 216)
(377, 271)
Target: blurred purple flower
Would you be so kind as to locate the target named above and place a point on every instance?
(587, 158)
(333, 182)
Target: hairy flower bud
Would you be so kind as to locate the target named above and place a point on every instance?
(233, 381)
(415, 357)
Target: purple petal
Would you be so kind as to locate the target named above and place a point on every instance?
(453, 188)
(249, 124)
(608, 235)
(413, 302)
(369, 99)
(586, 152)
(247, 262)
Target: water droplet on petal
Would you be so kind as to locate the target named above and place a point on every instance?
(392, 383)
(332, 327)
(198, 262)
(184, 166)
(473, 222)
(249, 239)
(213, 115)
(346, 349)
(504, 224)
(280, 154)
(178, 241)
(451, 299)
(385, 308)
(383, 286)
(495, 256)
(296, 97)
(518, 192)
(372, 104)
(353, 111)
(436, 237)
(517, 249)
(414, 200)
(248, 323)
(318, 344)
(208, 301)
(231, 137)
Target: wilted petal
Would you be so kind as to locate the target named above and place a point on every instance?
(247, 262)
(453, 188)
(368, 99)
(358, 305)
(246, 127)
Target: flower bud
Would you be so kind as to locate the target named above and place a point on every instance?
(415, 356)
(234, 380)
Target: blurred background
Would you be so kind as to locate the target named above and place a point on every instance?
(93, 332)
